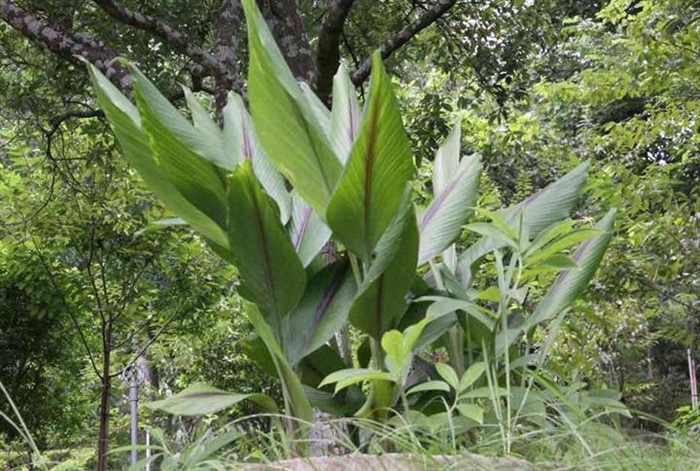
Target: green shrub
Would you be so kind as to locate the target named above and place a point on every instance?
(395, 276)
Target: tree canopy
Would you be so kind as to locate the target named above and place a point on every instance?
(97, 274)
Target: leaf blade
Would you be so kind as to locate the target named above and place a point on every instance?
(569, 284)
(380, 163)
(271, 272)
(126, 124)
(442, 221)
(345, 114)
(201, 399)
(285, 122)
(242, 142)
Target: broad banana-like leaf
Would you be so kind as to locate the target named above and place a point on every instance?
(171, 119)
(321, 313)
(307, 230)
(210, 131)
(549, 205)
(445, 167)
(552, 204)
(310, 370)
(570, 283)
(345, 114)
(369, 193)
(350, 376)
(390, 244)
(241, 142)
(284, 119)
(298, 403)
(446, 160)
(337, 405)
(319, 110)
(272, 275)
(180, 151)
(126, 123)
(443, 220)
(382, 297)
(319, 364)
(201, 399)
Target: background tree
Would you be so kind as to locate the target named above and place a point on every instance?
(545, 85)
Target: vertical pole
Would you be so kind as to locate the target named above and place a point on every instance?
(134, 399)
(148, 448)
(693, 383)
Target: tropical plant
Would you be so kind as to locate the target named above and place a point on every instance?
(392, 272)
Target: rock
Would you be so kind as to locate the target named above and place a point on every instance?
(397, 462)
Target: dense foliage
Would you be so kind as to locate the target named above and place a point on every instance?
(536, 88)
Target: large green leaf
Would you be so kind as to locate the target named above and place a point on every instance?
(443, 220)
(180, 151)
(201, 399)
(320, 111)
(210, 131)
(345, 115)
(307, 230)
(380, 164)
(171, 119)
(446, 160)
(310, 370)
(382, 297)
(272, 275)
(445, 168)
(350, 376)
(126, 123)
(241, 142)
(336, 405)
(570, 283)
(322, 311)
(551, 204)
(388, 247)
(294, 392)
(284, 119)
(319, 364)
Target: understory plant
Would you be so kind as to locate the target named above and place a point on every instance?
(314, 207)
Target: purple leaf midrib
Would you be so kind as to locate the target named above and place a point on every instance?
(351, 109)
(369, 165)
(247, 148)
(326, 300)
(304, 224)
(433, 209)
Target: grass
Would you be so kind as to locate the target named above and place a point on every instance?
(560, 445)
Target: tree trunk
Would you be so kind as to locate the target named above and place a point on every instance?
(284, 19)
(228, 44)
(103, 441)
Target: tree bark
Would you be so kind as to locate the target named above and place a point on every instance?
(328, 52)
(285, 22)
(228, 43)
(163, 30)
(66, 45)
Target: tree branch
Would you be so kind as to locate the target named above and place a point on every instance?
(58, 291)
(402, 37)
(328, 52)
(164, 31)
(66, 46)
(149, 343)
